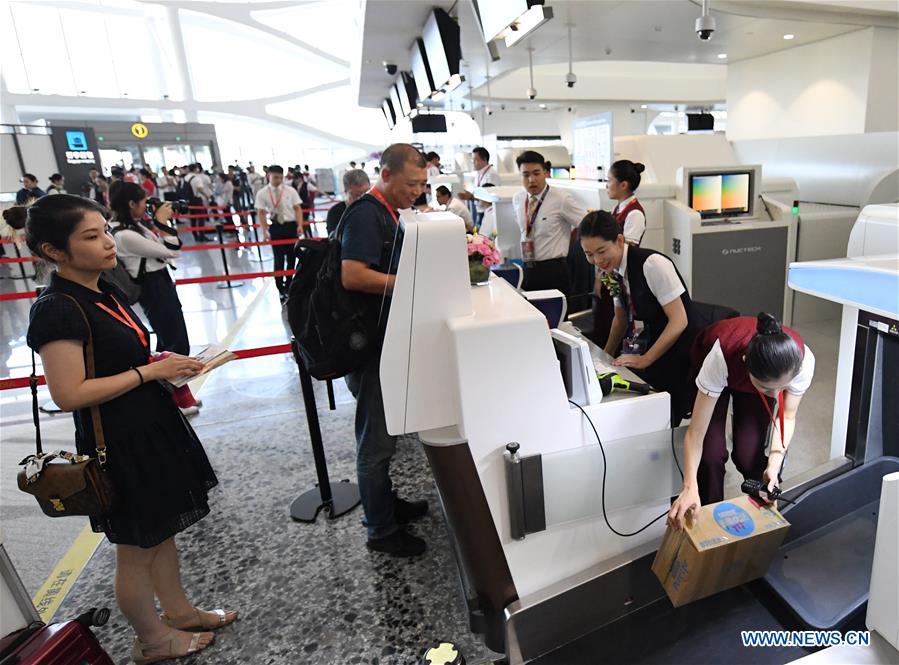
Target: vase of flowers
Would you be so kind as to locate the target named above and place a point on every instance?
(482, 253)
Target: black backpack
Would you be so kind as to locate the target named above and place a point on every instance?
(336, 330)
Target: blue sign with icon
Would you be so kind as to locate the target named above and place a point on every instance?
(76, 140)
(733, 519)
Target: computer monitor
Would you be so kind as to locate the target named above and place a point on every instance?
(722, 194)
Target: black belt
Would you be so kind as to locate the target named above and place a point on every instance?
(545, 261)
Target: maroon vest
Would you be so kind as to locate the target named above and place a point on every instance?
(621, 215)
(734, 336)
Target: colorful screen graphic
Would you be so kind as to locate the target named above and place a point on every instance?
(735, 192)
(720, 194)
(706, 190)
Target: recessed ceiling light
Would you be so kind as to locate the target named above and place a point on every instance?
(789, 36)
(642, 106)
(543, 106)
(722, 56)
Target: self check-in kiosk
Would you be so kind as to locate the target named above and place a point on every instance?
(553, 531)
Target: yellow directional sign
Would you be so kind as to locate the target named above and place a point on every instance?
(140, 130)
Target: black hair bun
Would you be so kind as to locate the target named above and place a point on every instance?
(15, 217)
(767, 325)
(638, 167)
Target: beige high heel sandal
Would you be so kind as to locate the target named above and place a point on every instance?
(143, 653)
(223, 619)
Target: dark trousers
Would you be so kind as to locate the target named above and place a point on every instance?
(283, 254)
(750, 432)
(375, 449)
(163, 309)
(550, 274)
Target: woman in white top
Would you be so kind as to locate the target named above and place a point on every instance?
(147, 247)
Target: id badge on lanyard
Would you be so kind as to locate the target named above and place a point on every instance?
(528, 248)
(780, 413)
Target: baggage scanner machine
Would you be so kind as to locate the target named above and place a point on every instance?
(474, 369)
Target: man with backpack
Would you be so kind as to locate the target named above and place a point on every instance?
(370, 241)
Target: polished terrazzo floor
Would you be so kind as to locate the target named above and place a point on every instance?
(307, 593)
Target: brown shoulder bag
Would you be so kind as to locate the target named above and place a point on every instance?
(73, 484)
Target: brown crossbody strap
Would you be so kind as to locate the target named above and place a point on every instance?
(90, 373)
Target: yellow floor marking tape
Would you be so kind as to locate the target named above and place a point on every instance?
(51, 594)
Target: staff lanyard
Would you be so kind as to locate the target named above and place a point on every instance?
(532, 217)
(780, 413)
(483, 174)
(631, 308)
(374, 191)
(271, 197)
(126, 320)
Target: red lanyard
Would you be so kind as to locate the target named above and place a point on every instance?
(483, 174)
(271, 197)
(780, 413)
(529, 217)
(125, 320)
(374, 191)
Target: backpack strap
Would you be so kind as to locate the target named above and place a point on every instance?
(142, 268)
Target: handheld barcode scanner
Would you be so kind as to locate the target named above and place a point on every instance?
(612, 382)
(757, 489)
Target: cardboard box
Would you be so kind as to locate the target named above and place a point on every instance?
(728, 544)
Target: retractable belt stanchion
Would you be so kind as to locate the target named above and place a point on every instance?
(336, 498)
(254, 223)
(229, 284)
(25, 275)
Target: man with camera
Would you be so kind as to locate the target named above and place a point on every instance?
(279, 208)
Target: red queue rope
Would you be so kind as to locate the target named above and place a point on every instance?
(232, 245)
(26, 295)
(242, 354)
(18, 259)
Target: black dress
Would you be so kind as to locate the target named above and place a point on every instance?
(158, 465)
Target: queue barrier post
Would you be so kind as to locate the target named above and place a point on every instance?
(228, 284)
(336, 498)
(254, 224)
(25, 275)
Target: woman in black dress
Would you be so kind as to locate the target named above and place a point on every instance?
(154, 458)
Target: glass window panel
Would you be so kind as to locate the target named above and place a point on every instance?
(88, 50)
(153, 158)
(203, 155)
(43, 48)
(136, 66)
(13, 69)
(335, 112)
(263, 65)
(176, 155)
(327, 26)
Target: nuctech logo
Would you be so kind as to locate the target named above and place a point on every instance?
(741, 250)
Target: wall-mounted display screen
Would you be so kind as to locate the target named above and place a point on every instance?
(395, 101)
(387, 108)
(443, 46)
(421, 70)
(496, 15)
(406, 89)
(721, 194)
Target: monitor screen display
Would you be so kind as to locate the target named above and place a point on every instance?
(443, 46)
(496, 15)
(721, 194)
(421, 70)
(395, 101)
(387, 108)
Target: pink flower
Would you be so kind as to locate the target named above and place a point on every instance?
(482, 248)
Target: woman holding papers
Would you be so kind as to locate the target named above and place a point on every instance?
(96, 353)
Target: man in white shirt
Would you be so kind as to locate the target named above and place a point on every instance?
(485, 175)
(279, 208)
(433, 160)
(201, 196)
(547, 216)
(455, 206)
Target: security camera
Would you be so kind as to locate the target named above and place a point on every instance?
(502, 107)
(390, 68)
(705, 26)
(570, 79)
(532, 93)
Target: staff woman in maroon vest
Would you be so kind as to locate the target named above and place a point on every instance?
(624, 179)
(765, 369)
